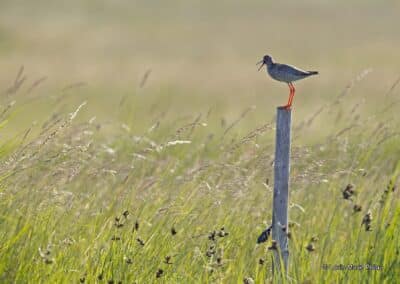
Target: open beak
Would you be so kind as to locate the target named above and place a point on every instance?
(261, 66)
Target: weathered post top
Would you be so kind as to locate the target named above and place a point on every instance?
(281, 188)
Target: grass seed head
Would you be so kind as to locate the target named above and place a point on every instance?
(167, 259)
(222, 233)
(125, 213)
(173, 231)
(159, 273)
(211, 235)
(357, 208)
(219, 260)
(118, 223)
(348, 192)
(310, 247)
(48, 260)
(248, 280)
(211, 251)
(140, 241)
(367, 220)
(391, 187)
(274, 245)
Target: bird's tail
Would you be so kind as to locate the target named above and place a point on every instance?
(313, 72)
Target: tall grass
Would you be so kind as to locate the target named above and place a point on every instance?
(183, 199)
(136, 145)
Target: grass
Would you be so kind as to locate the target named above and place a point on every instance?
(184, 199)
(137, 142)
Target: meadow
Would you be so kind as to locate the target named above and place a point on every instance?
(137, 141)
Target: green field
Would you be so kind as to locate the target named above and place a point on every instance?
(137, 140)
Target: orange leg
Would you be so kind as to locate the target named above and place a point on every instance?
(291, 95)
(291, 98)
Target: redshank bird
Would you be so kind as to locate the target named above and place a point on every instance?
(285, 73)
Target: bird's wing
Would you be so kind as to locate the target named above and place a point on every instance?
(292, 70)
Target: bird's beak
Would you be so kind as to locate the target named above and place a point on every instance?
(262, 64)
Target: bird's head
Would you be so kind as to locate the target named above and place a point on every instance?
(267, 60)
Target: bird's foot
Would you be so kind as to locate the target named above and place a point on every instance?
(286, 107)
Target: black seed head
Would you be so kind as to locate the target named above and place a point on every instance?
(167, 259)
(357, 208)
(248, 280)
(219, 260)
(212, 235)
(348, 192)
(159, 273)
(48, 261)
(221, 234)
(274, 245)
(173, 231)
(367, 221)
(310, 247)
(211, 251)
(140, 241)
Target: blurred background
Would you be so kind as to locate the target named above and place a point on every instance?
(188, 56)
(123, 112)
